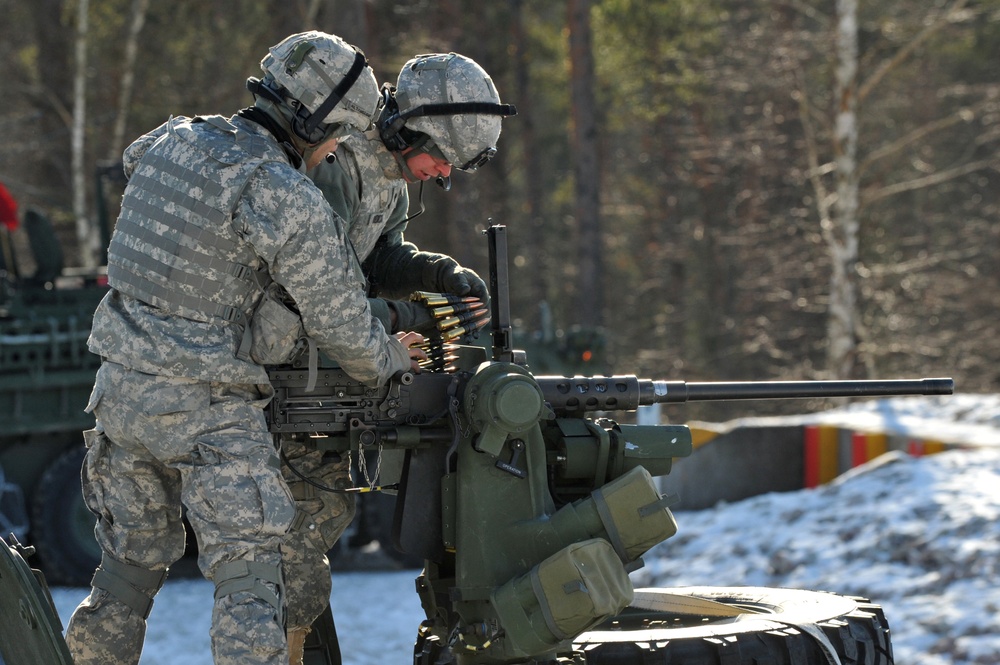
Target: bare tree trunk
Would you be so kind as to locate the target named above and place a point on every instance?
(85, 232)
(590, 282)
(841, 227)
(841, 232)
(51, 97)
(117, 144)
(531, 207)
(707, 286)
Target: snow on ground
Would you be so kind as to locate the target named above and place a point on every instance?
(964, 419)
(920, 536)
(376, 613)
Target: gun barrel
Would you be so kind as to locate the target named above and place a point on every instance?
(679, 391)
(626, 393)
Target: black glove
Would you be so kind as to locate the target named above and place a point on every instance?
(450, 277)
(411, 316)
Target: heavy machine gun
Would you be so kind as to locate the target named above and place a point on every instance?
(528, 506)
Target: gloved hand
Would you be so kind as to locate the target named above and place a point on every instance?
(450, 277)
(411, 315)
(456, 318)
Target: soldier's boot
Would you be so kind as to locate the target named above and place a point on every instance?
(296, 645)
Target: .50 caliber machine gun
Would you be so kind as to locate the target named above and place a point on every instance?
(528, 509)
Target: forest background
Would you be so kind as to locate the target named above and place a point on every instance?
(727, 190)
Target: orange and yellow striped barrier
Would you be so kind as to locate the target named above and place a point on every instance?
(829, 451)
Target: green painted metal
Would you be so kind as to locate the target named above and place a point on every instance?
(30, 632)
(46, 375)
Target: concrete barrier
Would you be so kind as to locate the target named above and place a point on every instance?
(735, 465)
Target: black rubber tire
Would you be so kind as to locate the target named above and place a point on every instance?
(856, 629)
(62, 528)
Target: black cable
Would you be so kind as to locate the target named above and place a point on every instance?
(325, 488)
(420, 200)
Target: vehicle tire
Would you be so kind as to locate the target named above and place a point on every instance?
(62, 527)
(780, 629)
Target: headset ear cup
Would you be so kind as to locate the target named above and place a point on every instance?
(391, 138)
(389, 124)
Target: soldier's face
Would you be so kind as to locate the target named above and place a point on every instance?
(426, 166)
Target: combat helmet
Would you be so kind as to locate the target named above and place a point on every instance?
(322, 80)
(444, 101)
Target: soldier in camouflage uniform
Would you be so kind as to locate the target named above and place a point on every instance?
(444, 112)
(217, 209)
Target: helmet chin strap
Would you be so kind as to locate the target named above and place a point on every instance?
(444, 182)
(408, 175)
(309, 152)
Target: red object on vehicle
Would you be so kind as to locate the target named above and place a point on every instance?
(8, 209)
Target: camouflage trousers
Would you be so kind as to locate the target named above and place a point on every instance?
(161, 443)
(320, 519)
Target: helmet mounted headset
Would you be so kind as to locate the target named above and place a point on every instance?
(397, 137)
(432, 105)
(307, 125)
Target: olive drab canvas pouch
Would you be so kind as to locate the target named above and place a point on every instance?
(566, 594)
(634, 514)
(276, 328)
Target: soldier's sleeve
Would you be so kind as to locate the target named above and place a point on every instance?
(388, 264)
(340, 190)
(395, 225)
(305, 244)
(399, 267)
(393, 233)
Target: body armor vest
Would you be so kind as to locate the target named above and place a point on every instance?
(174, 246)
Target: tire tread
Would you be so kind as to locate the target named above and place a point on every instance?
(860, 637)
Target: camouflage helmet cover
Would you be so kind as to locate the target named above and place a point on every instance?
(310, 65)
(448, 78)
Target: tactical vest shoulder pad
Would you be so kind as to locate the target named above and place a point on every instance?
(243, 145)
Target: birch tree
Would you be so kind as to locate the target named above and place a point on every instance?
(86, 233)
(117, 143)
(840, 212)
(841, 229)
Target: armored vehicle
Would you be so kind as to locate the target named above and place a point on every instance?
(46, 373)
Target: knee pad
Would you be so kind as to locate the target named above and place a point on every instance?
(134, 586)
(250, 577)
